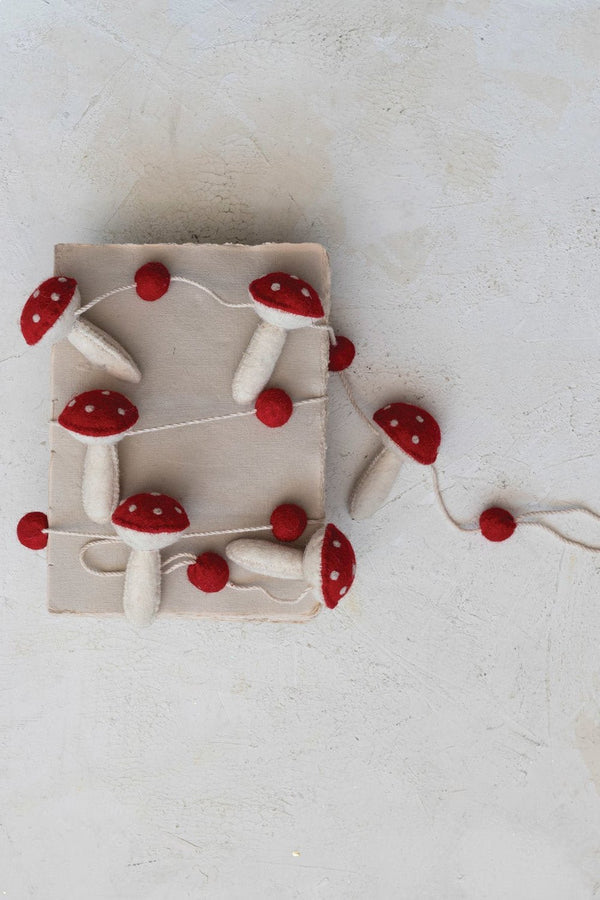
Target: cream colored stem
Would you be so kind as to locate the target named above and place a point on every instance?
(375, 484)
(265, 558)
(141, 593)
(103, 351)
(258, 362)
(100, 487)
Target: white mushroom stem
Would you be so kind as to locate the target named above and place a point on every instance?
(375, 484)
(100, 487)
(141, 593)
(258, 362)
(277, 560)
(102, 350)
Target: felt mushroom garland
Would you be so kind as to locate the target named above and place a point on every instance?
(327, 563)
(146, 523)
(50, 311)
(99, 419)
(405, 431)
(284, 303)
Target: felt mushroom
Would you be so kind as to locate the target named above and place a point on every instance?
(50, 312)
(283, 302)
(99, 419)
(327, 563)
(405, 430)
(146, 523)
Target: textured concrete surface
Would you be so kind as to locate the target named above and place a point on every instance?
(440, 735)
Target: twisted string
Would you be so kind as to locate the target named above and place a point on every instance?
(460, 526)
(179, 561)
(202, 287)
(180, 278)
(235, 415)
(119, 290)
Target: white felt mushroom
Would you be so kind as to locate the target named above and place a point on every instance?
(50, 312)
(327, 563)
(283, 302)
(405, 430)
(99, 419)
(146, 523)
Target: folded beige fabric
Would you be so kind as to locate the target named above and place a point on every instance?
(229, 474)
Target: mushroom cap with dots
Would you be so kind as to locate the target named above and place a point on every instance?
(98, 416)
(149, 521)
(286, 300)
(46, 305)
(330, 564)
(411, 429)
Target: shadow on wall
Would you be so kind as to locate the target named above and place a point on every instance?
(251, 205)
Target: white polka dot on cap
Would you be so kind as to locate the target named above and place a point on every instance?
(275, 286)
(157, 511)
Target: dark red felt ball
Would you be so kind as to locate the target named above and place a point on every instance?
(30, 530)
(341, 354)
(497, 524)
(210, 573)
(288, 522)
(152, 281)
(273, 407)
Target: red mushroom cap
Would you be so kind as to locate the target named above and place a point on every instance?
(30, 530)
(152, 281)
(273, 407)
(288, 522)
(497, 524)
(210, 573)
(45, 306)
(151, 514)
(98, 414)
(341, 354)
(338, 566)
(287, 294)
(412, 429)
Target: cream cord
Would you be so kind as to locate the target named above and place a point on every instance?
(180, 279)
(235, 415)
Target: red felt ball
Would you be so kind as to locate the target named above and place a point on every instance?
(497, 524)
(273, 407)
(341, 354)
(210, 573)
(288, 522)
(152, 281)
(30, 530)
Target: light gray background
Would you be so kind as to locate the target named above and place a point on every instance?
(439, 735)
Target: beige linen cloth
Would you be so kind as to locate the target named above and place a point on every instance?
(228, 474)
